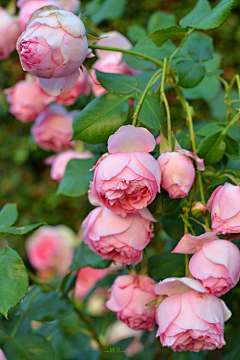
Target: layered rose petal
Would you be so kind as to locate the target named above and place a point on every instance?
(217, 266)
(190, 244)
(199, 162)
(9, 33)
(173, 286)
(129, 295)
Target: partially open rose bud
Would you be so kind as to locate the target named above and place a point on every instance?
(198, 209)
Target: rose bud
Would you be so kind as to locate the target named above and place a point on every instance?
(27, 100)
(198, 209)
(189, 319)
(114, 237)
(127, 179)
(9, 33)
(129, 295)
(87, 277)
(216, 266)
(224, 205)
(52, 130)
(51, 248)
(52, 48)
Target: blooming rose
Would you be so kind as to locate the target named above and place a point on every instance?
(27, 100)
(2, 356)
(129, 295)
(127, 179)
(189, 318)
(59, 162)
(9, 33)
(51, 247)
(224, 205)
(52, 129)
(114, 237)
(216, 266)
(53, 47)
(87, 277)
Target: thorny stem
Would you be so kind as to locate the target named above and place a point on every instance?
(164, 100)
(181, 45)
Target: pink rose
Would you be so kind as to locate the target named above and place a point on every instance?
(114, 237)
(127, 179)
(70, 5)
(52, 129)
(53, 47)
(216, 266)
(224, 205)
(2, 356)
(129, 295)
(190, 244)
(112, 39)
(51, 247)
(59, 162)
(27, 100)
(9, 33)
(189, 319)
(87, 278)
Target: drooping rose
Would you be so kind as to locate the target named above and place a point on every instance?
(224, 205)
(87, 277)
(216, 266)
(114, 237)
(189, 319)
(52, 48)
(51, 248)
(52, 129)
(9, 33)
(129, 295)
(127, 179)
(27, 100)
(59, 162)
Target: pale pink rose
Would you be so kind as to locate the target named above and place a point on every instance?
(27, 8)
(9, 33)
(80, 87)
(113, 39)
(114, 237)
(59, 162)
(52, 130)
(190, 244)
(87, 277)
(178, 174)
(189, 319)
(216, 266)
(128, 179)
(70, 5)
(2, 356)
(27, 100)
(107, 64)
(129, 295)
(51, 248)
(224, 205)
(52, 48)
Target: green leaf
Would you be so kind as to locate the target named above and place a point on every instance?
(212, 148)
(160, 36)
(176, 231)
(144, 78)
(8, 215)
(233, 355)
(151, 114)
(49, 306)
(210, 129)
(75, 181)
(203, 18)
(119, 83)
(190, 73)
(20, 230)
(83, 256)
(108, 10)
(232, 146)
(163, 204)
(136, 32)
(214, 72)
(166, 265)
(198, 47)
(13, 279)
(100, 118)
(160, 20)
(28, 347)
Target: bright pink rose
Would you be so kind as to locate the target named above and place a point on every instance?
(9, 33)
(114, 237)
(59, 162)
(53, 47)
(80, 87)
(128, 179)
(52, 129)
(224, 205)
(51, 247)
(87, 277)
(189, 319)
(216, 266)
(27, 100)
(129, 295)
